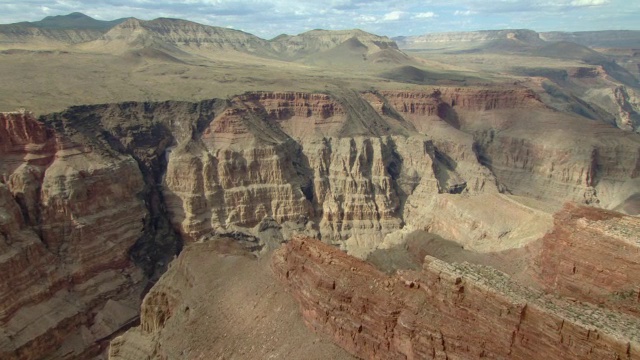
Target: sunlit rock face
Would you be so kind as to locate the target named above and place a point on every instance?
(428, 313)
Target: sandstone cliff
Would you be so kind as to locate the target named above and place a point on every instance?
(353, 168)
(69, 217)
(592, 255)
(444, 311)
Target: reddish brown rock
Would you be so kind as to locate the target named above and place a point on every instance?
(439, 100)
(280, 106)
(444, 311)
(68, 217)
(593, 255)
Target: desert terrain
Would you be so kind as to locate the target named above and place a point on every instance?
(172, 190)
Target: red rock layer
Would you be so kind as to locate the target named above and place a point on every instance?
(68, 216)
(427, 103)
(280, 106)
(593, 255)
(443, 312)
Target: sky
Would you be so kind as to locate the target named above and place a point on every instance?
(269, 18)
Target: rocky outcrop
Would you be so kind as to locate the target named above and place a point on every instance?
(282, 106)
(629, 104)
(69, 217)
(589, 169)
(440, 101)
(292, 155)
(428, 314)
(592, 255)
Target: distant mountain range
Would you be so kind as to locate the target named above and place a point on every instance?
(523, 37)
(174, 39)
(79, 28)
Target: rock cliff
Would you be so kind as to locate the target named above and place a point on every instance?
(352, 168)
(592, 255)
(69, 217)
(444, 311)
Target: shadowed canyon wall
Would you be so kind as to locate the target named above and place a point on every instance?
(69, 217)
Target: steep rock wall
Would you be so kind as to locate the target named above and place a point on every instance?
(69, 218)
(592, 255)
(531, 149)
(444, 311)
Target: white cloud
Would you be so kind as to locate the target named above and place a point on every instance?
(589, 2)
(363, 19)
(393, 16)
(463, 13)
(425, 15)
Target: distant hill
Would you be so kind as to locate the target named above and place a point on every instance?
(499, 39)
(318, 41)
(175, 35)
(414, 75)
(570, 50)
(54, 31)
(503, 39)
(317, 47)
(605, 39)
(73, 21)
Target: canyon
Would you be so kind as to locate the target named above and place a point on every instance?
(358, 170)
(193, 192)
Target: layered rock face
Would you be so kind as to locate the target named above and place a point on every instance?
(357, 167)
(290, 156)
(629, 108)
(93, 184)
(592, 255)
(530, 151)
(444, 311)
(69, 218)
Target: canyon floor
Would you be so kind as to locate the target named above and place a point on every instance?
(170, 190)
